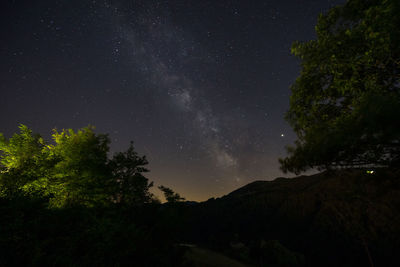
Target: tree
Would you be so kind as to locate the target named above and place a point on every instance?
(345, 103)
(170, 195)
(80, 174)
(132, 187)
(74, 170)
(22, 161)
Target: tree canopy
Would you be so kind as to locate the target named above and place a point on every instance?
(72, 170)
(127, 169)
(68, 202)
(170, 195)
(344, 105)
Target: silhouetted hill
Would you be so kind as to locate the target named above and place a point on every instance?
(335, 218)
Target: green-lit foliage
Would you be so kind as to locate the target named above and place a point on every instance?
(80, 173)
(60, 204)
(73, 170)
(345, 103)
(23, 161)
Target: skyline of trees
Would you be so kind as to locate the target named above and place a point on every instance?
(73, 169)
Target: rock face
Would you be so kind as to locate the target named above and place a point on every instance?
(335, 218)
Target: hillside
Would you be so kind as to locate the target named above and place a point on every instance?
(335, 218)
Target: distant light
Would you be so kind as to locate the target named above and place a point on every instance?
(370, 172)
(282, 135)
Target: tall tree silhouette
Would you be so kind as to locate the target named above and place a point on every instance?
(127, 168)
(345, 103)
(170, 195)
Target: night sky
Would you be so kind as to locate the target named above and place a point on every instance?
(201, 87)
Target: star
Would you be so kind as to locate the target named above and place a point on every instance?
(196, 87)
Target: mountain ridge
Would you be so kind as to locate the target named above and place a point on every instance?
(335, 218)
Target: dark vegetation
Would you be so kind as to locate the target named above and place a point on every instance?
(345, 103)
(68, 203)
(335, 218)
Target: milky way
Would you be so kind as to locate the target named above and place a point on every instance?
(163, 52)
(201, 87)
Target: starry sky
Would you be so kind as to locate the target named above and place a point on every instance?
(201, 87)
